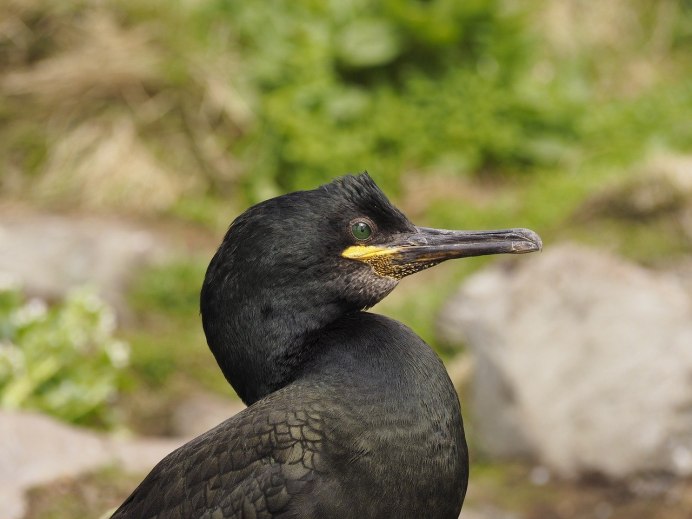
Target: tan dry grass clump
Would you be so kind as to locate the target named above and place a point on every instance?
(103, 165)
(626, 43)
(661, 188)
(94, 57)
(90, 86)
(94, 109)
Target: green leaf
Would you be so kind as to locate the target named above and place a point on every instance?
(368, 43)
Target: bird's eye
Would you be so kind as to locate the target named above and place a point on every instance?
(361, 230)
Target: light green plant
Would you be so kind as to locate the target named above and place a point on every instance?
(62, 360)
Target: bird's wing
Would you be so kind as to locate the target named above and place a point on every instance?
(252, 465)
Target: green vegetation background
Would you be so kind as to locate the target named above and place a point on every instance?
(470, 114)
(181, 113)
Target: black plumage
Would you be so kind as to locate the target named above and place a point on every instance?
(351, 414)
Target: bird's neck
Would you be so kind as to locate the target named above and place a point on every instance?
(260, 339)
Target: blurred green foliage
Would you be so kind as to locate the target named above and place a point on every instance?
(62, 360)
(165, 301)
(251, 99)
(391, 86)
(401, 85)
(515, 114)
(173, 287)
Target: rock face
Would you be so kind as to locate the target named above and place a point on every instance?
(200, 412)
(36, 449)
(661, 189)
(582, 360)
(51, 254)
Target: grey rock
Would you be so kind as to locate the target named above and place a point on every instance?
(51, 254)
(36, 449)
(659, 189)
(486, 512)
(199, 413)
(583, 360)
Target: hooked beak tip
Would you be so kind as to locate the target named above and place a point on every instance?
(529, 242)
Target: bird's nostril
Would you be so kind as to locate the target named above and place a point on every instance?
(417, 239)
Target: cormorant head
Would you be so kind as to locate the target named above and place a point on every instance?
(344, 243)
(298, 261)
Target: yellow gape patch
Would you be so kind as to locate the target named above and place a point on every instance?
(391, 262)
(385, 261)
(367, 252)
(379, 258)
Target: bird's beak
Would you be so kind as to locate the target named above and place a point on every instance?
(410, 252)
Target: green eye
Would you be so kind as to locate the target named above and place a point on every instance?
(361, 230)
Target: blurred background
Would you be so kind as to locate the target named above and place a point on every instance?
(133, 132)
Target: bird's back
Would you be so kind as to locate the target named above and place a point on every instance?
(371, 428)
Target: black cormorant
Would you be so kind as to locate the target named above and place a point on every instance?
(350, 414)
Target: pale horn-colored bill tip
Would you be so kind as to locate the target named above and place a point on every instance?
(527, 241)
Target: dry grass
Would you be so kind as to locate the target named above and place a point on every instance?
(102, 164)
(626, 43)
(92, 57)
(93, 95)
